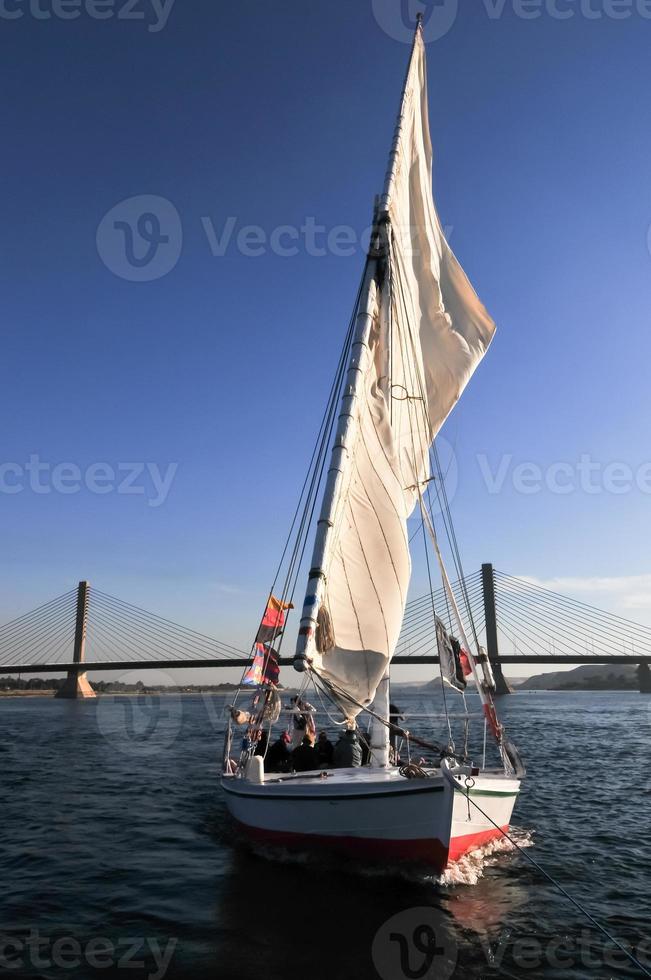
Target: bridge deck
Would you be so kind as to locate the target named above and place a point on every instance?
(129, 665)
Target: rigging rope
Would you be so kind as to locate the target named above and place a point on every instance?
(546, 874)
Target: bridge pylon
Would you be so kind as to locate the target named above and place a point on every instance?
(76, 684)
(490, 611)
(644, 678)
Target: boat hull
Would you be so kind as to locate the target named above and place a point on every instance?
(481, 813)
(369, 815)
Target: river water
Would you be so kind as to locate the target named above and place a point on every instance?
(117, 859)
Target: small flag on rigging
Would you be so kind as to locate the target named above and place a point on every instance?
(451, 664)
(273, 620)
(265, 668)
(465, 662)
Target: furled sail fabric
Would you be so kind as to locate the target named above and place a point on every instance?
(453, 327)
(428, 332)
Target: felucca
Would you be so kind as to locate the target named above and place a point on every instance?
(417, 334)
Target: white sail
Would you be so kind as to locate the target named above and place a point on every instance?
(453, 327)
(421, 332)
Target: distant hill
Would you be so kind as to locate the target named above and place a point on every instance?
(588, 677)
(613, 677)
(417, 687)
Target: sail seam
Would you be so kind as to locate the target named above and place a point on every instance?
(352, 603)
(402, 522)
(372, 581)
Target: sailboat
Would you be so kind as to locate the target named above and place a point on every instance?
(416, 335)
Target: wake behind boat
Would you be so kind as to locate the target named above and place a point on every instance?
(417, 333)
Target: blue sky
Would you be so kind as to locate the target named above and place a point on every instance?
(277, 114)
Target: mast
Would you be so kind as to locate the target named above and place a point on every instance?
(347, 424)
(346, 429)
(390, 179)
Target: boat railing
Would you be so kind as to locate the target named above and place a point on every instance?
(404, 715)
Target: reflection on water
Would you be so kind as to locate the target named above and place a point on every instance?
(490, 903)
(113, 828)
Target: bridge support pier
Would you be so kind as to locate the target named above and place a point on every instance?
(77, 685)
(644, 678)
(490, 611)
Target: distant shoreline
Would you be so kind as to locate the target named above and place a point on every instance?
(214, 693)
(115, 694)
(27, 694)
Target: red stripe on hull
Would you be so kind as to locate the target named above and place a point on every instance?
(470, 842)
(432, 854)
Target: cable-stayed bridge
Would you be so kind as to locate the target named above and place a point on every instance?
(515, 620)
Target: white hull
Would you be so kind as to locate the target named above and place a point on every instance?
(372, 813)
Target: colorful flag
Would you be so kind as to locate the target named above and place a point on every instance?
(273, 620)
(253, 676)
(271, 671)
(265, 668)
(277, 605)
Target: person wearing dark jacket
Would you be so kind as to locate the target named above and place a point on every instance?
(395, 732)
(305, 758)
(279, 758)
(347, 753)
(263, 742)
(324, 748)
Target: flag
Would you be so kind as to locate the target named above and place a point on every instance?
(253, 676)
(273, 620)
(265, 668)
(465, 663)
(493, 723)
(271, 670)
(449, 658)
(277, 605)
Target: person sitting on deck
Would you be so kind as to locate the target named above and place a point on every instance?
(305, 758)
(279, 758)
(324, 748)
(347, 753)
(303, 722)
(263, 742)
(395, 732)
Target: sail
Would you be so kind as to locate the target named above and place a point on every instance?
(421, 333)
